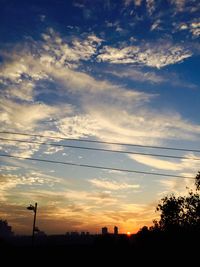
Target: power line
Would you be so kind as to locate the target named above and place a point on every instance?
(98, 167)
(103, 142)
(98, 149)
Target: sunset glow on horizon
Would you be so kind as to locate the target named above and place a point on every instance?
(128, 234)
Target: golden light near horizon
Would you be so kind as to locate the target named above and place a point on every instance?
(128, 234)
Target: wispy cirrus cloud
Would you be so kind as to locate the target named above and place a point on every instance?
(51, 150)
(8, 168)
(148, 55)
(22, 91)
(9, 182)
(112, 184)
(138, 75)
(188, 166)
(76, 196)
(61, 53)
(149, 77)
(157, 163)
(137, 126)
(53, 61)
(78, 126)
(82, 83)
(26, 116)
(156, 25)
(175, 186)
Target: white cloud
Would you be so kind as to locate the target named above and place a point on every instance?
(21, 63)
(52, 150)
(78, 126)
(20, 111)
(8, 182)
(59, 52)
(139, 125)
(129, 119)
(195, 28)
(83, 197)
(117, 55)
(8, 168)
(156, 25)
(26, 116)
(153, 56)
(183, 27)
(164, 56)
(83, 84)
(156, 163)
(25, 150)
(138, 75)
(48, 67)
(112, 185)
(22, 91)
(188, 166)
(176, 186)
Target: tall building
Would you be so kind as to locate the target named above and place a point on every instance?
(115, 230)
(104, 231)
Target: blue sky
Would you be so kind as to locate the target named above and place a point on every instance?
(118, 71)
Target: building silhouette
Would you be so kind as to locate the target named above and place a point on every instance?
(104, 231)
(115, 230)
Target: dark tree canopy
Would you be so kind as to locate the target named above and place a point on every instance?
(181, 212)
(171, 209)
(197, 182)
(5, 229)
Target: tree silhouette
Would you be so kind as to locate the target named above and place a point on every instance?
(5, 229)
(192, 207)
(172, 210)
(181, 212)
(197, 182)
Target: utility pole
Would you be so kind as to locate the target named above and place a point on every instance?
(34, 209)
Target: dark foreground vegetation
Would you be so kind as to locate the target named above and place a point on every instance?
(147, 245)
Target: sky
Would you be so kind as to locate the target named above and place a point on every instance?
(122, 71)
